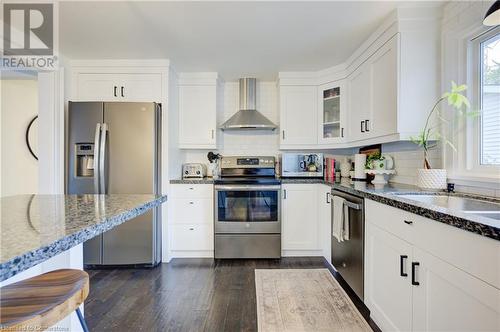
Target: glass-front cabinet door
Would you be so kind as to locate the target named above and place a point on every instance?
(332, 113)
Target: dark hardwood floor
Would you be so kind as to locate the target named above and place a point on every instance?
(185, 295)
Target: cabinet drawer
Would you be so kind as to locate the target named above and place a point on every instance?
(393, 220)
(191, 211)
(191, 237)
(191, 191)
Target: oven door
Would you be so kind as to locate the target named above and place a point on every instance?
(247, 209)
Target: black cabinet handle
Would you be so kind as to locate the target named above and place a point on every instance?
(123, 95)
(328, 198)
(402, 265)
(362, 126)
(284, 193)
(408, 222)
(114, 91)
(367, 129)
(413, 273)
(341, 132)
(283, 134)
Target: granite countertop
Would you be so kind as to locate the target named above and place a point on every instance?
(389, 194)
(34, 228)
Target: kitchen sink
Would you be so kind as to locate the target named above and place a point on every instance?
(463, 204)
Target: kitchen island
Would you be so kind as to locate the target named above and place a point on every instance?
(35, 228)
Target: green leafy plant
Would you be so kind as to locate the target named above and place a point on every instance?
(373, 157)
(429, 136)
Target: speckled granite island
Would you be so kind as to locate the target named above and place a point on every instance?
(34, 228)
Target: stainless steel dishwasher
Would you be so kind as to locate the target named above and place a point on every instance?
(348, 256)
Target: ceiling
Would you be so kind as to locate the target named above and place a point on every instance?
(235, 39)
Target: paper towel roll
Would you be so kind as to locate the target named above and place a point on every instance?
(359, 166)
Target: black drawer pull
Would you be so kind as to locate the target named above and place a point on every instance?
(402, 265)
(114, 91)
(408, 222)
(362, 126)
(413, 273)
(367, 129)
(123, 94)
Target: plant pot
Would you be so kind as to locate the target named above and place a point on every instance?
(378, 165)
(431, 178)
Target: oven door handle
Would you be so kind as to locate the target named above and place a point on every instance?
(246, 187)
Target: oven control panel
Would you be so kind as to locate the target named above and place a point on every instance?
(247, 162)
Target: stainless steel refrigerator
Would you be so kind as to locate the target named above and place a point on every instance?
(114, 148)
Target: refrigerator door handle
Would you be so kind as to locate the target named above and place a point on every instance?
(102, 159)
(97, 139)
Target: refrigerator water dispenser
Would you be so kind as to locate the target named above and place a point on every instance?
(84, 159)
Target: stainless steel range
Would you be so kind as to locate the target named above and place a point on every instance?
(247, 209)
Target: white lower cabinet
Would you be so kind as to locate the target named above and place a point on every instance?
(387, 292)
(299, 219)
(195, 237)
(449, 299)
(325, 219)
(190, 220)
(411, 288)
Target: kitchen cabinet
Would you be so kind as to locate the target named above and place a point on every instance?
(449, 299)
(198, 103)
(332, 113)
(300, 229)
(190, 220)
(360, 95)
(197, 117)
(373, 94)
(432, 286)
(298, 116)
(118, 87)
(384, 90)
(325, 219)
(387, 287)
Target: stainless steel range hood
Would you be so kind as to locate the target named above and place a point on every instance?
(248, 117)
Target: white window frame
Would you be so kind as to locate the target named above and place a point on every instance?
(465, 166)
(474, 157)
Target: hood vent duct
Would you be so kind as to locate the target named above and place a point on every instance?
(248, 117)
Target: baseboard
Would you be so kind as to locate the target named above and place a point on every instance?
(301, 253)
(191, 254)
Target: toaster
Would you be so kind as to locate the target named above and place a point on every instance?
(194, 171)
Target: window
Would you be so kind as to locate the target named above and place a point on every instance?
(489, 101)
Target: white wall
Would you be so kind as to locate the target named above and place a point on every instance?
(246, 142)
(19, 104)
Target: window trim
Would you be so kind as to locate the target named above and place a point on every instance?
(477, 77)
(466, 166)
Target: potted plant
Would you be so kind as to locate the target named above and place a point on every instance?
(375, 161)
(428, 138)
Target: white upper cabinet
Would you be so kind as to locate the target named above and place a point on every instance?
(384, 90)
(391, 82)
(332, 117)
(298, 116)
(373, 95)
(359, 102)
(198, 103)
(119, 87)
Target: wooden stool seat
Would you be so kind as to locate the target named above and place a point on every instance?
(38, 303)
